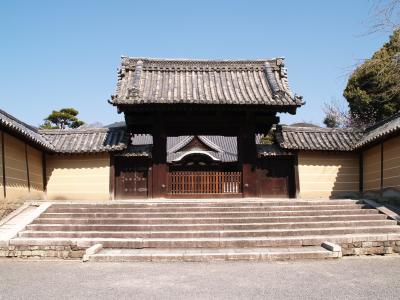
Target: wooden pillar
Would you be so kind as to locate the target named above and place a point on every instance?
(247, 154)
(159, 153)
(296, 175)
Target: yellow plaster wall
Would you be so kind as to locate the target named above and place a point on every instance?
(391, 163)
(372, 169)
(15, 167)
(78, 177)
(328, 174)
(35, 164)
(17, 189)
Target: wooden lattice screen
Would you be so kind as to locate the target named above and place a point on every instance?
(204, 182)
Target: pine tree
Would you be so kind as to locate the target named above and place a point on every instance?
(62, 119)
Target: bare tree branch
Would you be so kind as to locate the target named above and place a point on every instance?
(385, 16)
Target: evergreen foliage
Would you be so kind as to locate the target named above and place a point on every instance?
(62, 119)
(373, 90)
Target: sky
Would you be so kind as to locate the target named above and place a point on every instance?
(56, 54)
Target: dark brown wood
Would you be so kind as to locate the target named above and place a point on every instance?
(159, 180)
(296, 175)
(203, 196)
(150, 181)
(247, 156)
(27, 168)
(273, 177)
(112, 177)
(131, 178)
(199, 182)
(159, 155)
(176, 120)
(192, 122)
(4, 165)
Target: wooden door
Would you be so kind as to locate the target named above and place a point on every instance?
(274, 177)
(131, 178)
(204, 183)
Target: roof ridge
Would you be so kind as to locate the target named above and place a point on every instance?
(33, 128)
(380, 130)
(382, 122)
(210, 143)
(144, 80)
(201, 60)
(186, 140)
(75, 131)
(27, 131)
(318, 129)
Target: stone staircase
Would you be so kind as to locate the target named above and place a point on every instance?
(211, 230)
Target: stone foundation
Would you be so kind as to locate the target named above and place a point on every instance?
(370, 248)
(74, 252)
(42, 252)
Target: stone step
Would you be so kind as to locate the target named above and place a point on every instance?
(197, 255)
(198, 209)
(271, 219)
(212, 234)
(225, 242)
(225, 203)
(215, 226)
(211, 214)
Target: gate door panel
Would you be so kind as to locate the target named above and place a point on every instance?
(131, 178)
(203, 182)
(273, 177)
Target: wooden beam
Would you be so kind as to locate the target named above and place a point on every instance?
(4, 165)
(247, 156)
(159, 155)
(296, 175)
(199, 123)
(149, 179)
(161, 107)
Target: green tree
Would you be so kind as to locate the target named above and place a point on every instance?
(373, 90)
(62, 119)
(331, 121)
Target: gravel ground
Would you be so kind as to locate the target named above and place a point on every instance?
(348, 278)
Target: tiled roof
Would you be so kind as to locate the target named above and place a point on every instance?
(271, 150)
(252, 82)
(136, 151)
(380, 130)
(23, 130)
(87, 140)
(225, 147)
(315, 138)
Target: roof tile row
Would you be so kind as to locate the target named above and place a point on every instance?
(149, 81)
(117, 139)
(316, 138)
